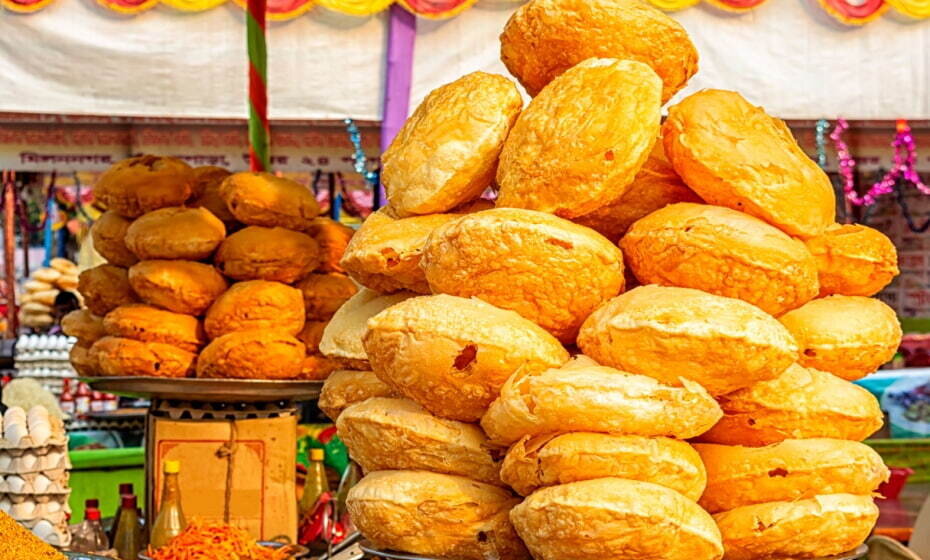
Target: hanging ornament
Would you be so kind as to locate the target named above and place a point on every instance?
(904, 165)
(821, 139)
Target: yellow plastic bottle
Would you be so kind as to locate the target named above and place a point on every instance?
(170, 521)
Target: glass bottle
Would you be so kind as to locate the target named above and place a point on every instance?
(170, 521)
(89, 537)
(125, 489)
(128, 540)
(316, 483)
(350, 478)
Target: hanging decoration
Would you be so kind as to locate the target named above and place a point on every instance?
(821, 140)
(904, 167)
(736, 6)
(855, 12)
(259, 131)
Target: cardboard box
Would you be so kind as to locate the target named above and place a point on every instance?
(263, 465)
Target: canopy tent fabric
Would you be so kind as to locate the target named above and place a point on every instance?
(786, 55)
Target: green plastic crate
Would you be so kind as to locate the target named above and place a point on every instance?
(97, 473)
(913, 453)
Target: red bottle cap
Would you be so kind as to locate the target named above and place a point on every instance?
(92, 514)
(129, 502)
(125, 489)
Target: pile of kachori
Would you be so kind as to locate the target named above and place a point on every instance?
(209, 274)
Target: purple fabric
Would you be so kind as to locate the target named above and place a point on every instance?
(402, 33)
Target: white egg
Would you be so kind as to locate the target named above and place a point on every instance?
(5, 505)
(40, 432)
(15, 430)
(43, 529)
(23, 510)
(16, 484)
(28, 462)
(52, 460)
(14, 412)
(38, 412)
(5, 461)
(41, 484)
(53, 506)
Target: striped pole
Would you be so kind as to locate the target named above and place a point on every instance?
(259, 131)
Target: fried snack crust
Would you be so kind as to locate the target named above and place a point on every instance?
(615, 518)
(83, 325)
(438, 515)
(848, 336)
(262, 354)
(582, 396)
(544, 38)
(853, 260)
(398, 434)
(343, 388)
(207, 181)
(680, 333)
(105, 288)
(83, 360)
(274, 254)
(549, 270)
(150, 324)
(141, 184)
(175, 233)
(733, 154)
(317, 367)
(823, 526)
(656, 185)
(181, 286)
(795, 469)
(723, 252)
(312, 334)
(264, 199)
(324, 294)
(342, 337)
(384, 254)
(801, 403)
(580, 143)
(446, 153)
(332, 237)
(548, 460)
(109, 235)
(452, 355)
(256, 305)
(124, 357)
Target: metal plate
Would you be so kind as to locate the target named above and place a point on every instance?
(298, 551)
(368, 548)
(207, 390)
(82, 556)
(852, 555)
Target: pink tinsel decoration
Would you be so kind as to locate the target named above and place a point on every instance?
(905, 165)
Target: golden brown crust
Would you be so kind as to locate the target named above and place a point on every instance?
(181, 286)
(452, 355)
(175, 233)
(342, 337)
(324, 294)
(256, 305)
(150, 324)
(141, 184)
(206, 177)
(343, 388)
(83, 325)
(260, 253)
(124, 357)
(264, 199)
(655, 186)
(854, 260)
(549, 270)
(317, 367)
(615, 518)
(801, 403)
(398, 434)
(795, 469)
(848, 336)
(826, 525)
(723, 252)
(674, 333)
(544, 38)
(312, 334)
(548, 460)
(105, 288)
(446, 153)
(436, 515)
(207, 181)
(384, 254)
(253, 354)
(332, 237)
(733, 154)
(582, 396)
(579, 144)
(83, 360)
(109, 234)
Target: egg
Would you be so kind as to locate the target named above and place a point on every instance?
(52, 460)
(15, 430)
(40, 431)
(15, 484)
(41, 484)
(14, 412)
(37, 413)
(28, 462)
(5, 461)
(53, 506)
(5, 505)
(23, 510)
(45, 531)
